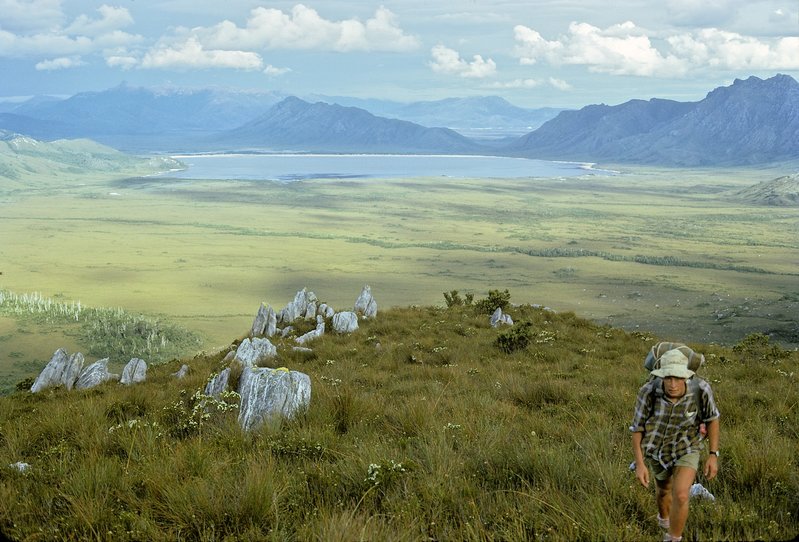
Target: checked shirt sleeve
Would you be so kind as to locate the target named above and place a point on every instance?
(643, 408)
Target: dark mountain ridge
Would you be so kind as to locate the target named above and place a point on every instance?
(294, 124)
(752, 121)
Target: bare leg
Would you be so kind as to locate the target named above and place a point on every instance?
(682, 480)
(663, 496)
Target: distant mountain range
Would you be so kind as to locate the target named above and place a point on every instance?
(752, 121)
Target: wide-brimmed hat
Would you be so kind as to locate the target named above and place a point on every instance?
(673, 363)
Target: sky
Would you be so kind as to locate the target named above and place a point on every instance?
(547, 53)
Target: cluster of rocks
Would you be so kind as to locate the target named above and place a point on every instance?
(265, 392)
(269, 392)
(69, 372)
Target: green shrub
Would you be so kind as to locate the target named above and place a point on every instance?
(518, 337)
(496, 300)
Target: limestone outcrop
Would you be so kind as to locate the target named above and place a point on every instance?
(366, 305)
(61, 370)
(500, 317)
(217, 384)
(314, 334)
(267, 394)
(265, 323)
(345, 322)
(134, 372)
(254, 352)
(94, 375)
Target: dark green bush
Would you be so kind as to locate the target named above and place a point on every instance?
(516, 338)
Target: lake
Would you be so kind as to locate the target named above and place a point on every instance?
(294, 167)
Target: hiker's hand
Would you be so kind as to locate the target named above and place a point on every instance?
(642, 473)
(711, 467)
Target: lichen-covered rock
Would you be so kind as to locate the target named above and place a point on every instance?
(61, 370)
(252, 353)
(267, 394)
(94, 375)
(345, 322)
(218, 383)
(313, 335)
(134, 372)
(366, 305)
(265, 322)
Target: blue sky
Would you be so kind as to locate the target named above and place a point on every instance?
(561, 53)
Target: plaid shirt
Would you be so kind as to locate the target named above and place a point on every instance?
(671, 430)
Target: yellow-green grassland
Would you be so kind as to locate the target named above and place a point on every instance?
(651, 250)
(426, 423)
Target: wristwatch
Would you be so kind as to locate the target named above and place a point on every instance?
(712, 452)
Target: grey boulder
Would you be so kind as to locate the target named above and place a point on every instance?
(269, 394)
(366, 305)
(345, 322)
(94, 375)
(61, 370)
(252, 353)
(134, 372)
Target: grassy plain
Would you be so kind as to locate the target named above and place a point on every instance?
(419, 428)
(657, 250)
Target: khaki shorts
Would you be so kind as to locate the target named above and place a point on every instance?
(688, 460)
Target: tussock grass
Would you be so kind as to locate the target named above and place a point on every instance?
(419, 428)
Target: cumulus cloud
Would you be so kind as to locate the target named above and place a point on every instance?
(60, 63)
(84, 36)
(192, 54)
(273, 71)
(516, 83)
(449, 61)
(304, 28)
(559, 84)
(22, 16)
(122, 61)
(626, 49)
(111, 19)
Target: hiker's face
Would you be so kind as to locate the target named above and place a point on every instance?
(673, 386)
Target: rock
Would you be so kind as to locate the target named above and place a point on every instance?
(94, 375)
(134, 372)
(265, 322)
(229, 356)
(366, 304)
(20, 466)
(299, 307)
(326, 310)
(182, 372)
(312, 335)
(500, 318)
(345, 322)
(217, 384)
(270, 393)
(61, 370)
(252, 352)
(302, 349)
(286, 330)
(699, 491)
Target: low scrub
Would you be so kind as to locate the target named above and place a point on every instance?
(419, 428)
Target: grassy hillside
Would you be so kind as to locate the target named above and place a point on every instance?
(419, 428)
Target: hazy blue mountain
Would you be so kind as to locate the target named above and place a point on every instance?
(137, 118)
(752, 121)
(294, 124)
(479, 117)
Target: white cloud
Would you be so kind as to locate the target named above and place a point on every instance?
(22, 16)
(125, 62)
(626, 49)
(191, 54)
(559, 84)
(728, 50)
(61, 63)
(111, 19)
(83, 36)
(304, 28)
(273, 71)
(516, 83)
(448, 61)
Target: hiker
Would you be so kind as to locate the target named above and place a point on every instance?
(665, 435)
